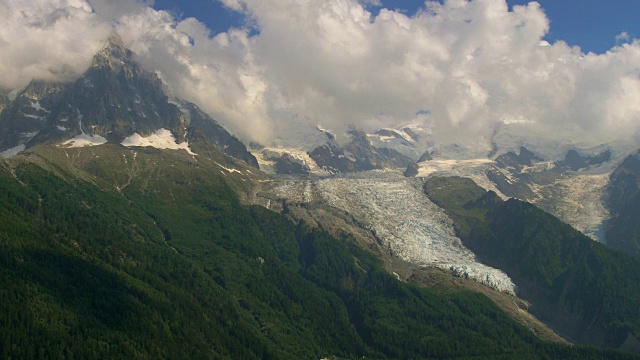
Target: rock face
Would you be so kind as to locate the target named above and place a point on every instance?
(4, 100)
(574, 161)
(574, 196)
(357, 155)
(288, 165)
(412, 170)
(572, 188)
(623, 202)
(517, 161)
(23, 118)
(112, 100)
(202, 125)
(425, 157)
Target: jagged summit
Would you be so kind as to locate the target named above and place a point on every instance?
(114, 48)
(113, 101)
(115, 56)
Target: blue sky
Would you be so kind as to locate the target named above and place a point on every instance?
(592, 25)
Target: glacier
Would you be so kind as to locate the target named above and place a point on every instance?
(401, 216)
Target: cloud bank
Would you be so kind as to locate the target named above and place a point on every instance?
(49, 40)
(469, 65)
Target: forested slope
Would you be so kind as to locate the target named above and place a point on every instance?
(588, 292)
(166, 263)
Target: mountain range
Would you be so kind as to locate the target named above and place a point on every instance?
(135, 225)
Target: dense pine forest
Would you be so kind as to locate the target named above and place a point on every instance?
(579, 286)
(173, 266)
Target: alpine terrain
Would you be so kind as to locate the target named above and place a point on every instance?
(133, 225)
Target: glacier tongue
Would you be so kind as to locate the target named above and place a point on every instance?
(578, 201)
(403, 218)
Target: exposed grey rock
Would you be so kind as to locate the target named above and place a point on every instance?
(24, 117)
(288, 165)
(574, 161)
(412, 170)
(115, 98)
(357, 155)
(517, 162)
(425, 157)
(511, 187)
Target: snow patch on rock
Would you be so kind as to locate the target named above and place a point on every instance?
(186, 112)
(161, 139)
(230, 170)
(13, 151)
(84, 140)
(268, 166)
(13, 94)
(575, 198)
(36, 105)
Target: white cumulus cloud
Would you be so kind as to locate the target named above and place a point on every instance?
(49, 40)
(469, 65)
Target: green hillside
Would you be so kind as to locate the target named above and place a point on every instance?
(109, 252)
(587, 291)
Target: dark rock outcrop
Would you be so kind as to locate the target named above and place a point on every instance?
(115, 98)
(357, 155)
(425, 157)
(574, 161)
(516, 162)
(412, 170)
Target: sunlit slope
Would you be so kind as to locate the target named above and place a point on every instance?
(101, 261)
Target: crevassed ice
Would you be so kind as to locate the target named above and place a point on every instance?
(404, 219)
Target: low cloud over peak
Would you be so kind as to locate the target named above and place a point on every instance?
(48, 40)
(467, 65)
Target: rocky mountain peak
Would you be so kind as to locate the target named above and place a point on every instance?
(114, 100)
(113, 54)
